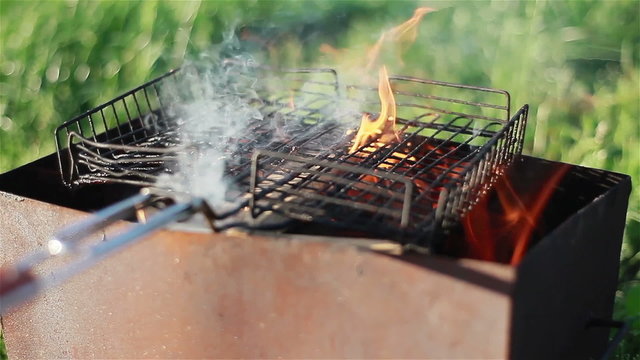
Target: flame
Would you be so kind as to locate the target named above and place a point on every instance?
(383, 127)
(400, 36)
(505, 237)
(292, 104)
(328, 49)
(501, 237)
(404, 33)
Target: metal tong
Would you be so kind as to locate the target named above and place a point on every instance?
(20, 282)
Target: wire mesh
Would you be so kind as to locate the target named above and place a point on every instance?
(455, 140)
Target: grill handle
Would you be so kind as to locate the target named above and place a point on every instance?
(20, 283)
(68, 239)
(103, 218)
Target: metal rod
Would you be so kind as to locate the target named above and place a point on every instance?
(26, 285)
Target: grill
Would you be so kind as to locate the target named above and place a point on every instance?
(295, 160)
(297, 292)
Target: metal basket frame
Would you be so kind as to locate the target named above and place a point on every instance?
(470, 142)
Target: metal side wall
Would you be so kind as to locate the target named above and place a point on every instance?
(190, 295)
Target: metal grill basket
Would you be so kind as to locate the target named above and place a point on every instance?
(455, 140)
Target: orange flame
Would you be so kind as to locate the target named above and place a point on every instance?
(484, 232)
(401, 36)
(506, 238)
(383, 127)
(292, 104)
(376, 133)
(404, 33)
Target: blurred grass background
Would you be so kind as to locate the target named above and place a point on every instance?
(576, 62)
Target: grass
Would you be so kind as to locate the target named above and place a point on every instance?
(576, 62)
(3, 349)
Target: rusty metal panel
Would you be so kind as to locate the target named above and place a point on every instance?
(179, 294)
(570, 278)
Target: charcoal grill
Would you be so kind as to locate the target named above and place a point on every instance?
(455, 140)
(202, 294)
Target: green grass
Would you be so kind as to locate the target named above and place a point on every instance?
(576, 62)
(3, 349)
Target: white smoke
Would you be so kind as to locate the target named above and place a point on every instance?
(210, 104)
(213, 103)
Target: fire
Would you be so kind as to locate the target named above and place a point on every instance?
(383, 128)
(376, 133)
(292, 104)
(373, 134)
(400, 36)
(506, 236)
(502, 237)
(404, 33)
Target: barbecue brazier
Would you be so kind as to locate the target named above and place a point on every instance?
(254, 294)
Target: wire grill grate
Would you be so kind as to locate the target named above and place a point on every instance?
(455, 141)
